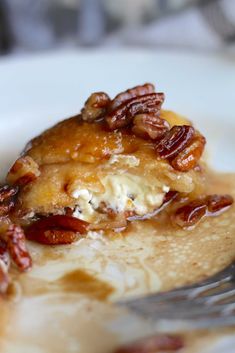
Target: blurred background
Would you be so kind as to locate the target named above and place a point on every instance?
(40, 25)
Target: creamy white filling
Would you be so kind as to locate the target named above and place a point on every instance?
(123, 192)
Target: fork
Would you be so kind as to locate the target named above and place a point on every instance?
(209, 303)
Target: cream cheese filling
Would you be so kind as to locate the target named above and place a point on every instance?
(123, 191)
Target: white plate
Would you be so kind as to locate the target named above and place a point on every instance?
(37, 91)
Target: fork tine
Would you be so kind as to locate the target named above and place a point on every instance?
(192, 303)
(193, 291)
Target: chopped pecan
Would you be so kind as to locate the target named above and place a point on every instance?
(4, 278)
(190, 214)
(24, 170)
(7, 191)
(55, 230)
(5, 207)
(124, 114)
(95, 106)
(150, 126)
(175, 141)
(137, 91)
(189, 157)
(4, 256)
(218, 203)
(158, 343)
(16, 246)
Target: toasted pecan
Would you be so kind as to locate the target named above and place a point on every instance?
(16, 246)
(95, 106)
(7, 192)
(57, 229)
(188, 158)
(192, 212)
(136, 91)
(150, 126)
(175, 141)
(218, 203)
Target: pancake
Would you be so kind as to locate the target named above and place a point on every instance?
(131, 221)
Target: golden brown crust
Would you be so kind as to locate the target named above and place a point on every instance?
(75, 152)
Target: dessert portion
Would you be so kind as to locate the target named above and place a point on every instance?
(124, 188)
(119, 161)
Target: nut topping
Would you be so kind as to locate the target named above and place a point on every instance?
(150, 126)
(55, 230)
(189, 157)
(175, 141)
(191, 213)
(137, 91)
(5, 208)
(16, 246)
(219, 203)
(124, 114)
(95, 106)
(7, 191)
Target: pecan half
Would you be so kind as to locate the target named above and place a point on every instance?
(150, 126)
(190, 214)
(123, 115)
(24, 170)
(189, 157)
(7, 191)
(218, 203)
(16, 246)
(175, 141)
(158, 343)
(137, 91)
(55, 230)
(95, 106)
